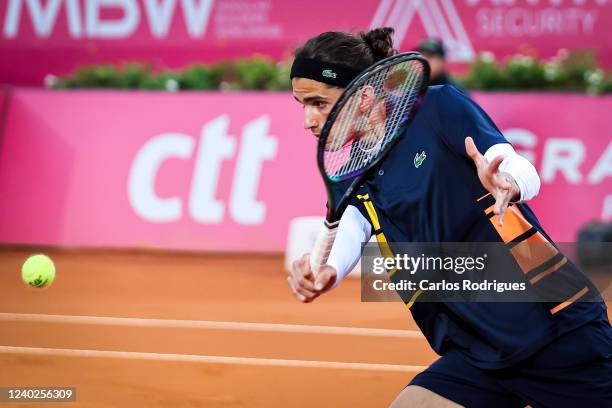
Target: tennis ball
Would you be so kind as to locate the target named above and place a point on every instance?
(38, 271)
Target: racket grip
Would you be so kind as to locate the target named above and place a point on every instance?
(323, 246)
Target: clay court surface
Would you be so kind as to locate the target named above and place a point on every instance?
(175, 337)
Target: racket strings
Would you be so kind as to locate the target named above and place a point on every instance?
(372, 117)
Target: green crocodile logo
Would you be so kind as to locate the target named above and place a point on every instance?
(328, 73)
(419, 159)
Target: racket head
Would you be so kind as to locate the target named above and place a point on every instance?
(368, 119)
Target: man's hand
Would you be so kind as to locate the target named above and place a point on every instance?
(501, 185)
(304, 285)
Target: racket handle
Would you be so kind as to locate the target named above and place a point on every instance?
(323, 246)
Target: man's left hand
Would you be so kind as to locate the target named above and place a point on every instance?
(501, 185)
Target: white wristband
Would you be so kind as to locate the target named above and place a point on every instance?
(518, 167)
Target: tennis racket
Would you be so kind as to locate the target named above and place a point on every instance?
(366, 122)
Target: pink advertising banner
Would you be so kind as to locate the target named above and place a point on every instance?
(217, 172)
(59, 35)
(185, 171)
(569, 139)
(3, 104)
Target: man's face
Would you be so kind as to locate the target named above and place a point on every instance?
(317, 98)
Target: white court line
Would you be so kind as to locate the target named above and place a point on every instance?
(272, 362)
(208, 324)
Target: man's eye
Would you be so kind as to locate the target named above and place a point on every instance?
(320, 104)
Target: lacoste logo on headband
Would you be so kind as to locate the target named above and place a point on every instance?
(328, 73)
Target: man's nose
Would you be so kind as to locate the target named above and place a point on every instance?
(309, 120)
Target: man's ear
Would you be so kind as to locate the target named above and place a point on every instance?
(366, 100)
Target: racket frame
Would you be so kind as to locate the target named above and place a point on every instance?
(334, 212)
(327, 234)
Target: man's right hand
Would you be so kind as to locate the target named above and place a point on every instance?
(304, 285)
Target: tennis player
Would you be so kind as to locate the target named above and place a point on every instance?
(455, 178)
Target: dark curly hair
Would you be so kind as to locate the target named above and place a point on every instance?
(356, 50)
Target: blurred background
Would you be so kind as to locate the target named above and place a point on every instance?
(149, 146)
